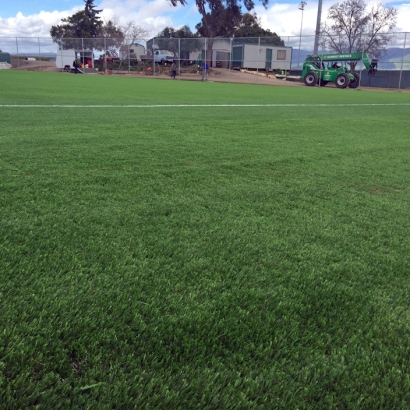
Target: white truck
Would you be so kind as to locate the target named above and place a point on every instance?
(160, 56)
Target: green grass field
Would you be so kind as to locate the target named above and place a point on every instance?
(202, 257)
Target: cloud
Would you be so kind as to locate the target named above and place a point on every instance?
(154, 15)
(35, 25)
(403, 18)
(285, 19)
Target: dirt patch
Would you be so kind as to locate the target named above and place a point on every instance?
(34, 65)
(216, 75)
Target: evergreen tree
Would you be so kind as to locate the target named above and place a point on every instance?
(84, 24)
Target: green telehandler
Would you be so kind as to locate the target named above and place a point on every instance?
(324, 68)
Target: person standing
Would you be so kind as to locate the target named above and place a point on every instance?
(205, 72)
(173, 70)
(75, 65)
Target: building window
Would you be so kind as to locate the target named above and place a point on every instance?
(281, 54)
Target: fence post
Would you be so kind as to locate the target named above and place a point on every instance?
(18, 59)
(230, 59)
(259, 51)
(179, 59)
(153, 56)
(402, 59)
(361, 70)
(285, 68)
(39, 53)
(82, 52)
(204, 75)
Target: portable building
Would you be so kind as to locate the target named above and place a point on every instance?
(4, 57)
(66, 57)
(264, 57)
(133, 51)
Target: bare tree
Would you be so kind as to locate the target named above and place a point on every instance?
(354, 27)
(133, 33)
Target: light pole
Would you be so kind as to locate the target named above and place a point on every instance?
(319, 16)
(302, 7)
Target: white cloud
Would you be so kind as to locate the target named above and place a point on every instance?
(152, 15)
(285, 19)
(35, 25)
(282, 18)
(403, 20)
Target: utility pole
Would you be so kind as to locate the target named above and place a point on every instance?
(317, 32)
(302, 7)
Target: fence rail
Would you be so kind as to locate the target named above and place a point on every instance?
(260, 56)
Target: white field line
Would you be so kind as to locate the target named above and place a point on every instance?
(195, 105)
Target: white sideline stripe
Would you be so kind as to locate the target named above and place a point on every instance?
(196, 105)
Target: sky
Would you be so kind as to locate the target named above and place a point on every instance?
(34, 18)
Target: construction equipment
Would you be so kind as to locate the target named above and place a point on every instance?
(324, 68)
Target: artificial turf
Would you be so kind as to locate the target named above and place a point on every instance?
(193, 257)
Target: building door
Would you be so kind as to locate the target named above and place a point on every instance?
(268, 61)
(237, 56)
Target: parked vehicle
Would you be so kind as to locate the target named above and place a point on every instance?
(160, 56)
(324, 68)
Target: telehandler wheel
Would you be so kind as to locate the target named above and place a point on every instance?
(342, 80)
(322, 83)
(310, 79)
(354, 83)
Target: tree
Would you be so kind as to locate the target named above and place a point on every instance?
(132, 33)
(110, 38)
(220, 21)
(93, 21)
(170, 39)
(85, 24)
(219, 17)
(250, 28)
(355, 28)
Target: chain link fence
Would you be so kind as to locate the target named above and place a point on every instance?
(250, 59)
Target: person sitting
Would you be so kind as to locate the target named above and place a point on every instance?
(335, 65)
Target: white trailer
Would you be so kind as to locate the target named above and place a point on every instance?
(65, 58)
(263, 57)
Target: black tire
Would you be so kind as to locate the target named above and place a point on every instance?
(342, 80)
(322, 83)
(354, 83)
(310, 79)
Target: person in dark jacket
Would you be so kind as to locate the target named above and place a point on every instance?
(205, 71)
(173, 70)
(75, 65)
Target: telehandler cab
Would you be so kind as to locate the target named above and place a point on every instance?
(324, 68)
